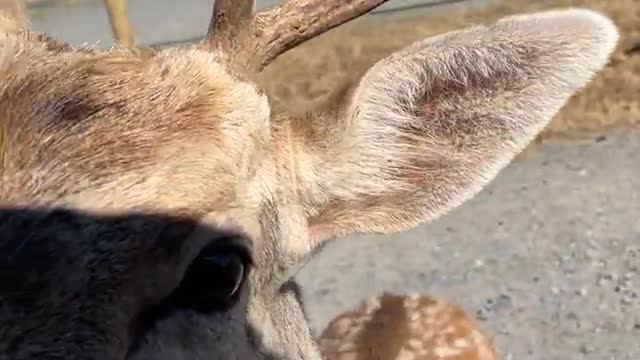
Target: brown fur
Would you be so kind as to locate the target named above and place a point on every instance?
(118, 168)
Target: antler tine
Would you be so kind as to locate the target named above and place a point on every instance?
(229, 21)
(255, 41)
(293, 22)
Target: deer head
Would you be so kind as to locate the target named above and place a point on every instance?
(153, 206)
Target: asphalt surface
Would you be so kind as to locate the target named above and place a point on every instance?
(547, 257)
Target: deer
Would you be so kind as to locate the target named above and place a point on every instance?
(154, 205)
(405, 326)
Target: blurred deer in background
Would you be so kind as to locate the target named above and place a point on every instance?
(154, 206)
(116, 10)
(119, 21)
(12, 15)
(398, 327)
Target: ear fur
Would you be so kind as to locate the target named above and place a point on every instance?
(429, 126)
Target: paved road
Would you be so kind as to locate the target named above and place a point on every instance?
(548, 256)
(154, 21)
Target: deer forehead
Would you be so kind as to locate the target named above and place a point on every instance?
(116, 130)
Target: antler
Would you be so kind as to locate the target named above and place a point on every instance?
(256, 40)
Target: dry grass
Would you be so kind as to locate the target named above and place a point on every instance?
(311, 72)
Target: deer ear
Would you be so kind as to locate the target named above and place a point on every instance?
(429, 126)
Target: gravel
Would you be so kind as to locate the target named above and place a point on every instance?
(547, 257)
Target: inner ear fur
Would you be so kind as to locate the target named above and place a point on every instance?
(427, 127)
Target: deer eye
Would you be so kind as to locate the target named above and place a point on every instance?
(214, 280)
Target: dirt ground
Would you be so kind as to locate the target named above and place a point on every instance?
(547, 257)
(312, 71)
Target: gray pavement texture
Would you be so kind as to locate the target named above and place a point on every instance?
(547, 257)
